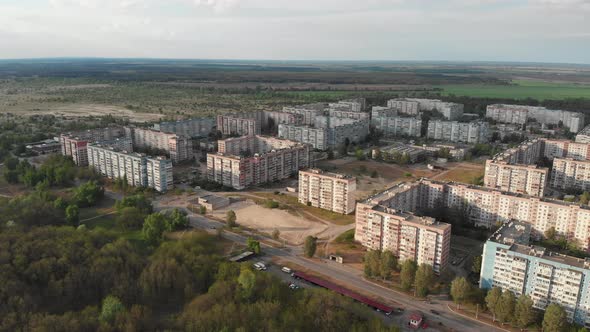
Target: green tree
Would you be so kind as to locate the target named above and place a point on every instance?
(554, 319)
(130, 218)
(524, 314)
(460, 290)
(153, 228)
(408, 273)
(424, 278)
(372, 265)
(231, 218)
(310, 246)
(203, 210)
(505, 308)
(492, 300)
(276, 234)
(60, 204)
(360, 154)
(253, 245)
(550, 233)
(476, 265)
(88, 194)
(388, 264)
(177, 220)
(72, 215)
(111, 307)
(247, 281)
(584, 198)
(139, 201)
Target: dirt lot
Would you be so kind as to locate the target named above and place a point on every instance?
(465, 172)
(293, 229)
(88, 110)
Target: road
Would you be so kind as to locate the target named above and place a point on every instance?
(354, 278)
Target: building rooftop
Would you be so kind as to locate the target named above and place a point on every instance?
(328, 174)
(512, 232)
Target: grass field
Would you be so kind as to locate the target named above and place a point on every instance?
(520, 90)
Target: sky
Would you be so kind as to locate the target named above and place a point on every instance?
(413, 30)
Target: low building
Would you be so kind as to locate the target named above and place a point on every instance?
(457, 152)
(328, 191)
(390, 153)
(509, 262)
(253, 160)
(44, 147)
(213, 202)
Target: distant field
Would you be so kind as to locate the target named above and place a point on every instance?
(521, 90)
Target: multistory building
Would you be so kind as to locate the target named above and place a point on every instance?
(413, 106)
(520, 114)
(567, 174)
(509, 262)
(453, 131)
(325, 190)
(308, 111)
(138, 169)
(253, 160)
(352, 105)
(179, 147)
(584, 135)
(327, 132)
(75, 144)
(398, 126)
(229, 124)
(197, 127)
(520, 179)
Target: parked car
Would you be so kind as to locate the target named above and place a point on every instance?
(287, 270)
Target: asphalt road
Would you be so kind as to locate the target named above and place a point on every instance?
(355, 279)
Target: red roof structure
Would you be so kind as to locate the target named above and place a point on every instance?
(344, 291)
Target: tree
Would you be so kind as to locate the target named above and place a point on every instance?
(524, 314)
(231, 218)
(177, 220)
(460, 289)
(247, 281)
(584, 198)
(203, 210)
(360, 154)
(253, 245)
(550, 233)
(310, 246)
(476, 265)
(388, 264)
(60, 204)
(372, 265)
(408, 273)
(153, 228)
(492, 301)
(505, 308)
(72, 215)
(111, 307)
(88, 194)
(130, 218)
(276, 234)
(424, 278)
(139, 201)
(555, 318)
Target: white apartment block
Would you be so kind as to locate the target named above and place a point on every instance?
(238, 125)
(510, 263)
(382, 112)
(521, 113)
(584, 135)
(180, 148)
(382, 226)
(75, 144)
(269, 159)
(570, 173)
(197, 127)
(521, 179)
(404, 106)
(328, 132)
(308, 111)
(398, 126)
(338, 113)
(316, 137)
(353, 105)
(139, 169)
(453, 131)
(412, 106)
(328, 191)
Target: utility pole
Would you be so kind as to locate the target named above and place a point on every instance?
(476, 310)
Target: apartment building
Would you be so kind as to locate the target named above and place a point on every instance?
(139, 170)
(453, 131)
(328, 191)
(382, 112)
(308, 111)
(197, 127)
(398, 126)
(75, 144)
(570, 174)
(339, 113)
(381, 226)
(327, 132)
(404, 106)
(521, 113)
(352, 105)
(509, 262)
(316, 137)
(584, 135)
(179, 147)
(229, 124)
(413, 106)
(252, 160)
(521, 179)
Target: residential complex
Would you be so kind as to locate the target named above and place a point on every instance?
(74, 145)
(520, 179)
(138, 169)
(329, 191)
(238, 125)
(179, 147)
(253, 160)
(570, 174)
(308, 111)
(584, 135)
(509, 262)
(353, 105)
(453, 131)
(382, 112)
(398, 126)
(412, 106)
(197, 127)
(520, 114)
(382, 224)
(328, 132)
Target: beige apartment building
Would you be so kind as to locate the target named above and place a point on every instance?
(179, 147)
(521, 179)
(238, 125)
(382, 226)
(75, 145)
(519, 114)
(570, 174)
(325, 190)
(251, 160)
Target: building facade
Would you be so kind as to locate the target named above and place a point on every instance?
(238, 125)
(179, 147)
(267, 159)
(398, 126)
(197, 127)
(521, 179)
(453, 131)
(547, 277)
(570, 174)
(308, 111)
(75, 145)
(413, 106)
(584, 135)
(328, 132)
(138, 169)
(328, 191)
(519, 114)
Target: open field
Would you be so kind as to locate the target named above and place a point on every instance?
(520, 89)
(465, 172)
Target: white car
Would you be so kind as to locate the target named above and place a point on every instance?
(286, 270)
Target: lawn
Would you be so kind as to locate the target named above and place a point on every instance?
(520, 90)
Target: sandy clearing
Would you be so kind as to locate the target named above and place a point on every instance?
(81, 110)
